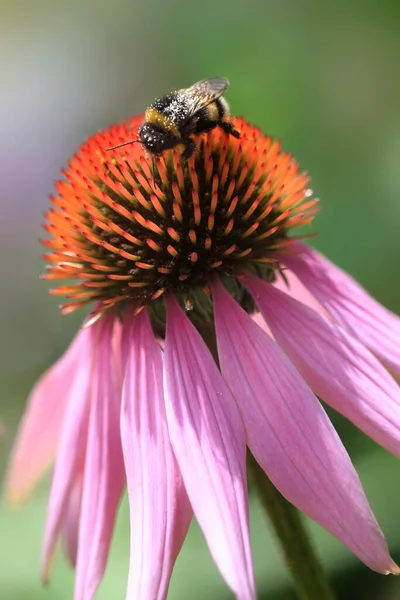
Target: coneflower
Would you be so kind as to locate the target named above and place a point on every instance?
(212, 327)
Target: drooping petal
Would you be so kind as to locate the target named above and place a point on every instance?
(208, 439)
(334, 364)
(291, 436)
(350, 305)
(261, 322)
(104, 475)
(70, 526)
(36, 444)
(160, 512)
(71, 449)
(117, 349)
(289, 283)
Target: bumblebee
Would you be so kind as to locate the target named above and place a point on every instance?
(173, 119)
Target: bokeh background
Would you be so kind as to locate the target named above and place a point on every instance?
(323, 77)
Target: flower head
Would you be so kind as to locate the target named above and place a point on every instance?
(200, 250)
(124, 237)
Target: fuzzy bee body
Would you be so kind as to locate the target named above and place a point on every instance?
(173, 119)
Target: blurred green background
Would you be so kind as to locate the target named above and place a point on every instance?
(324, 77)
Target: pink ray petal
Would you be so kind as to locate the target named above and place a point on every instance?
(334, 364)
(208, 440)
(350, 305)
(36, 444)
(117, 348)
(261, 322)
(160, 512)
(70, 527)
(291, 436)
(104, 475)
(291, 284)
(71, 450)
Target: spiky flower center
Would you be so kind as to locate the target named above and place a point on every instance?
(122, 236)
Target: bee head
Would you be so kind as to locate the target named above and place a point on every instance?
(154, 139)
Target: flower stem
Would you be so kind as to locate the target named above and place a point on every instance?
(309, 577)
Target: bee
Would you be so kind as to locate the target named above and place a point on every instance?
(173, 119)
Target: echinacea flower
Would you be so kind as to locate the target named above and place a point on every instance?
(200, 258)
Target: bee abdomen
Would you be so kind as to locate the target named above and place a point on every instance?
(216, 111)
(223, 108)
(212, 112)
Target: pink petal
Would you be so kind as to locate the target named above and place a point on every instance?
(335, 365)
(208, 440)
(116, 348)
(160, 512)
(39, 432)
(349, 304)
(291, 436)
(70, 528)
(259, 319)
(290, 284)
(104, 475)
(72, 447)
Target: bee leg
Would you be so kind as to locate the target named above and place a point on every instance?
(190, 147)
(229, 129)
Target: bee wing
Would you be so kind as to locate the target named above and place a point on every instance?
(203, 93)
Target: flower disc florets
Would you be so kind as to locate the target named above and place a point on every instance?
(124, 236)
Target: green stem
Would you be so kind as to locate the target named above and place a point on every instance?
(308, 575)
